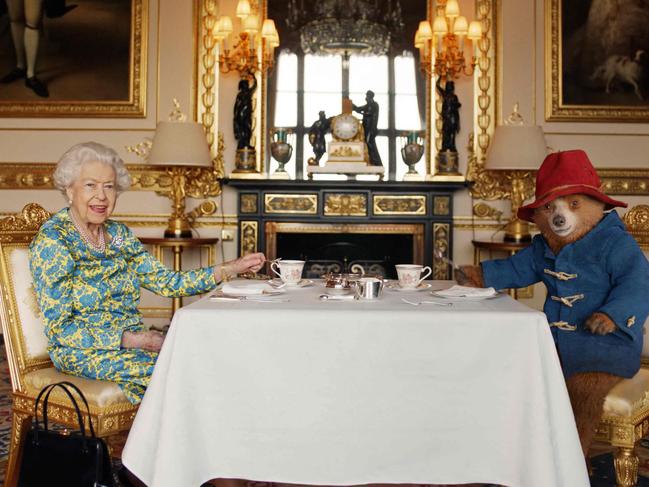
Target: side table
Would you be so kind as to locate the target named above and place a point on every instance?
(510, 248)
(177, 245)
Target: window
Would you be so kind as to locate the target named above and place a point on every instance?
(307, 84)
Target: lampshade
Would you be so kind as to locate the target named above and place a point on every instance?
(180, 144)
(516, 147)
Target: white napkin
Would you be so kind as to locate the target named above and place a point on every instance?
(243, 287)
(467, 292)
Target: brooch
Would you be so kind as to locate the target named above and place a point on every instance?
(118, 242)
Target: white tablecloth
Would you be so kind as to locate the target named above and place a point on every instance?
(340, 393)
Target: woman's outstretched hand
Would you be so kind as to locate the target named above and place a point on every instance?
(146, 340)
(247, 263)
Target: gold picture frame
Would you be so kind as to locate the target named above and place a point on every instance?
(101, 99)
(583, 78)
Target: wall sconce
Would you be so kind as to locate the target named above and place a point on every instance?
(254, 49)
(441, 47)
(516, 152)
(441, 55)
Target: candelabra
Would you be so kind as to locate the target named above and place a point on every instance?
(254, 48)
(441, 47)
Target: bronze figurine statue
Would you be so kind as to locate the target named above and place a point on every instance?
(242, 121)
(370, 113)
(317, 134)
(450, 115)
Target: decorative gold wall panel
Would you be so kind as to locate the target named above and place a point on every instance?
(302, 204)
(399, 205)
(441, 241)
(441, 205)
(345, 204)
(248, 237)
(248, 203)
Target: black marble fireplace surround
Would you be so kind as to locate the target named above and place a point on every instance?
(334, 224)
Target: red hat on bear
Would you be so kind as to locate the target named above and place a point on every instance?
(564, 173)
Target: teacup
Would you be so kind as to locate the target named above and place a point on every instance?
(368, 288)
(410, 275)
(289, 271)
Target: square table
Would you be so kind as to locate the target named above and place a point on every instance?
(355, 392)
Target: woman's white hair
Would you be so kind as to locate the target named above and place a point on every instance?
(69, 166)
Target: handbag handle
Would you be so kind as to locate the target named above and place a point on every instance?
(47, 390)
(64, 385)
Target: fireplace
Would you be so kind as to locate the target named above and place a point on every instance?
(334, 224)
(329, 247)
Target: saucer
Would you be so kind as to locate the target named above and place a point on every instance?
(277, 283)
(394, 286)
(463, 298)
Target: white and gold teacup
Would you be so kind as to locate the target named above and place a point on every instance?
(289, 271)
(410, 275)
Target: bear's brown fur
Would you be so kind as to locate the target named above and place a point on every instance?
(587, 390)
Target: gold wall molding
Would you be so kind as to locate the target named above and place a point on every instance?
(637, 222)
(485, 211)
(399, 205)
(484, 83)
(345, 204)
(302, 204)
(206, 78)
(133, 107)
(201, 182)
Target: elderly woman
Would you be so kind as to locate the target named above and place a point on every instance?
(88, 271)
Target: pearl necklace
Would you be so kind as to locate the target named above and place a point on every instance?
(87, 237)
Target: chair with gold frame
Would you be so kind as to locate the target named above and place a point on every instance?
(29, 364)
(625, 420)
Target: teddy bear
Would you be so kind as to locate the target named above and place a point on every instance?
(596, 276)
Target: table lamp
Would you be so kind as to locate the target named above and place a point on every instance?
(516, 152)
(180, 146)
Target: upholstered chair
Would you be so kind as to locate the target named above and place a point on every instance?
(29, 364)
(626, 408)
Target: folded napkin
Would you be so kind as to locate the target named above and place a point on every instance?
(467, 292)
(243, 287)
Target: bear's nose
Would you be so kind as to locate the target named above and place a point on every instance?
(558, 221)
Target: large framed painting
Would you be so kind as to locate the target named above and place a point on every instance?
(73, 59)
(597, 61)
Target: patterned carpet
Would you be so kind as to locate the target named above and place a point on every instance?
(602, 462)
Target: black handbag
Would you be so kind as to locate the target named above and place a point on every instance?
(72, 460)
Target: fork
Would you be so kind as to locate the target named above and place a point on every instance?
(418, 303)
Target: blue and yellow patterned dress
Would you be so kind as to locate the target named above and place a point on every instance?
(89, 298)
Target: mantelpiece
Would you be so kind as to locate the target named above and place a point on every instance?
(421, 212)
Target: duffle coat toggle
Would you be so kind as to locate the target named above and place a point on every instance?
(563, 325)
(568, 300)
(562, 276)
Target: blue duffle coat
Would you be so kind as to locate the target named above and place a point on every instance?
(605, 271)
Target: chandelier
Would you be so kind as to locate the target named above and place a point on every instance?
(441, 47)
(254, 49)
(345, 26)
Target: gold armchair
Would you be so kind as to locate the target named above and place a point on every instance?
(626, 408)
(29, 364)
